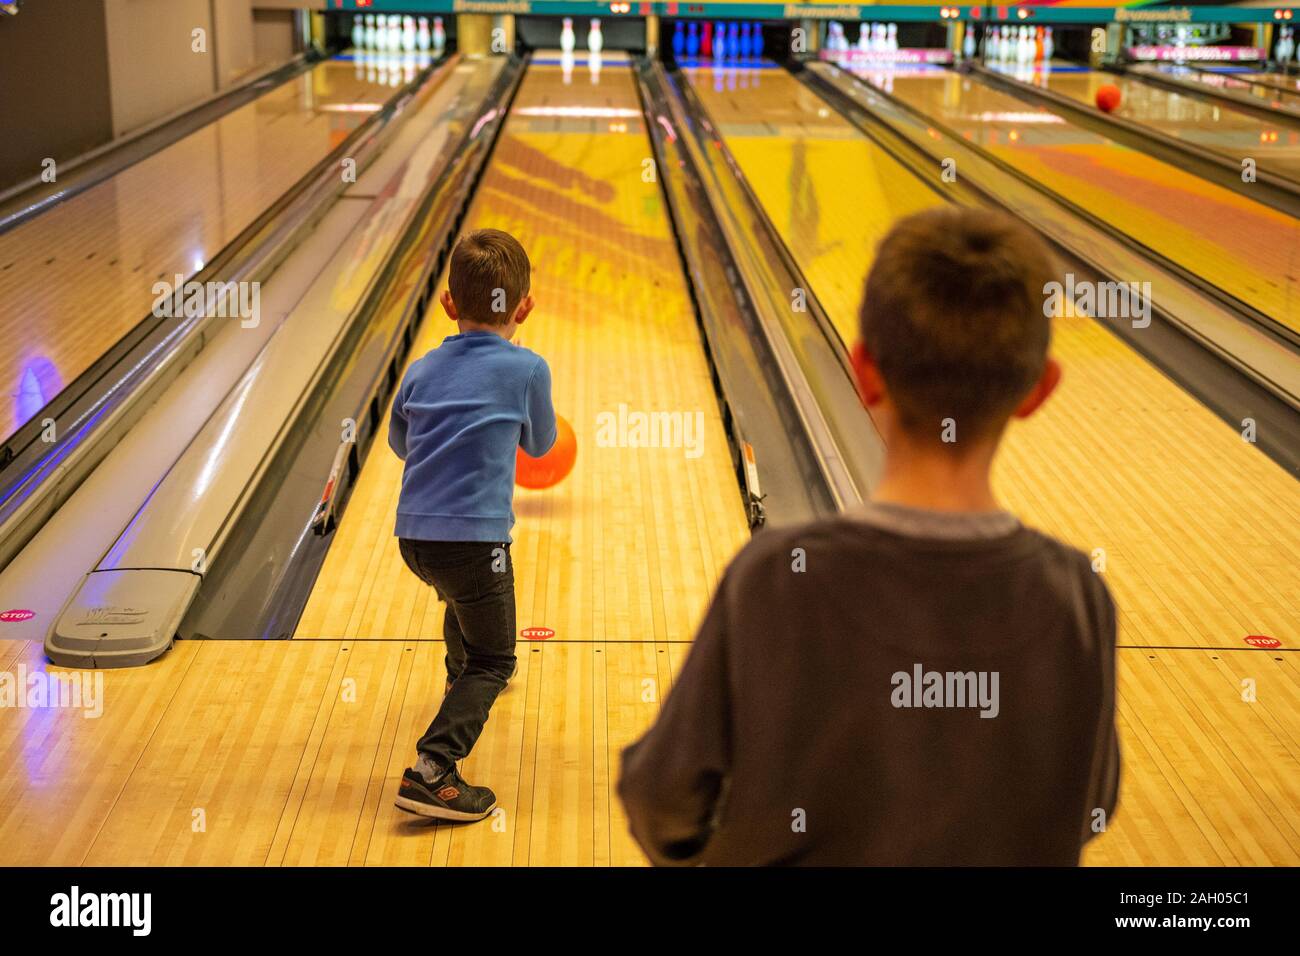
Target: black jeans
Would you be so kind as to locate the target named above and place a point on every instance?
(477, 582)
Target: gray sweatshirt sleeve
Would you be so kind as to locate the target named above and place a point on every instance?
(1106, 759)
(673, 777)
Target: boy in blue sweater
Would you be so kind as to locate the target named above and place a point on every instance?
(459, 415)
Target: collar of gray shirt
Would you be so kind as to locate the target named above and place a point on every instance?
(925, 523)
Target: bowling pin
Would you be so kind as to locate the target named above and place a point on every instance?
(891, 38)
(594, 39)
(368, 32)
(358, 32)
(566, 35)
(693, 39)
(679, 39)
(439, 35)
(719, 40)
(1038, 45)
(968, 42)
(422, 34)
(706, 39)
(1049, 46)
(864, 39)
(733, 39)
(408, 34)
(758, 45)
(746, 44)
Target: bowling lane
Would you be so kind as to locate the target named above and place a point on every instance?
(775, 123)
(634, 538)
(1198, 530)
(1256, 85)
(1289, 84)
(78, 277)
(1244, 247)
(620, 558)
(1211, 125)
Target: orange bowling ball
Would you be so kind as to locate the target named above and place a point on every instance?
(551, 468)
(1108, 97)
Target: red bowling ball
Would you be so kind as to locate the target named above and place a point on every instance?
(1108, 98)
(553, 467)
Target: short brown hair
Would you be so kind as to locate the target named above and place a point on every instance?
(953, 316)
(489, 276)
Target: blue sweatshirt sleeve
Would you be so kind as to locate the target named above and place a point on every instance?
(539, 432)
(397, 421)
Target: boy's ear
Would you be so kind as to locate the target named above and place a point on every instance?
(449, 306)
(1041, 391)
(524, 307)
(871, 386)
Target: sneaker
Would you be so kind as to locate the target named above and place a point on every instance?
(447, 798)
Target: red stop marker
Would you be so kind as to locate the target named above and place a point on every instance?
(1260, 640)
(536, 633)
(13, 615)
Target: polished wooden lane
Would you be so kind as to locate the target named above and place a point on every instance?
(1211, 748)
(1244, 247)
(1217, 126)
(621, 557)
(287, 753)
(629, 546)
(1199, 532)
(77, 278)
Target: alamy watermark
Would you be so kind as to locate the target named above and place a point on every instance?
(1100, 300)
(624, 428)
(38, 690)
(956, 689)
(188, 299)
(75, 908)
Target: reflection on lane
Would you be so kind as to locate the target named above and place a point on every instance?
(828, 191)
(1120, 458)
(1244, 247)
(1233, 133)
(1233, 83)
(78, 277)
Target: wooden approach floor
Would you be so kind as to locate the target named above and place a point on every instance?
(287, 753)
